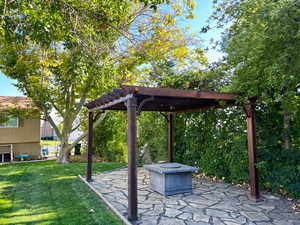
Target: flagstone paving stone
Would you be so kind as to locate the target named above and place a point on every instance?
(211, 203)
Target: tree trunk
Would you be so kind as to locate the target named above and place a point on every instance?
(64, 151)
(64, 142)
(65, 147)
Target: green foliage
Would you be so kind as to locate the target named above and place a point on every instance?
(28, 113)
(63, 53)
(110, 139)
(262, 59)
(152, 136)
(214, 142)
(279, 171)
(58, 51)
(279, 167)
(262, 45)
(70, 22)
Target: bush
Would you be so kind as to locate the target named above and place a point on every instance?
(110, 138)
(213, 141)
(280, 171)
(152, 137)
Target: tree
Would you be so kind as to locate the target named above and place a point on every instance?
(63, 53)
(262, 46)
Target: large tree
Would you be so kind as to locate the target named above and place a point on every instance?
(262, 47)
(64, 52)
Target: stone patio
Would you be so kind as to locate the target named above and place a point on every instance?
(210, 204)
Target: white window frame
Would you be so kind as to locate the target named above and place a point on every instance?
(5, 125)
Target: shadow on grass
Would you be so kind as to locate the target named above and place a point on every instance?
(50, 193)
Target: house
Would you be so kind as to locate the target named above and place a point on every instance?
(19, 132)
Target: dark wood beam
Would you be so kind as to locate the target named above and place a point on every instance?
(165, 99)
(119, 92)
(142, 103)
(90, 147)
(253, 173)
(105, 98)
(170, 138)
(207, 107)
(132, 168)
(179, 93)
(116, 93)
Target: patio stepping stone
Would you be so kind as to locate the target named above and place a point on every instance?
(217, 213)
(201, 217)
(172, 212)
(209, 204)
(186, 216)
(255, 216)
(170, 221)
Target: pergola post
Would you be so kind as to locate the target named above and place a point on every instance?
(132, 168)
(250, 113)
(170, 138)
(90, 147)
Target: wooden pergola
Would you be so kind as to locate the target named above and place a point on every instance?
(136, 99)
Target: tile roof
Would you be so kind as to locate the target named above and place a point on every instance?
(8, 102)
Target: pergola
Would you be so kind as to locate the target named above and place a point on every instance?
(135, 99)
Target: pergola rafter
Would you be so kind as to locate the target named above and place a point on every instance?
(135, 99)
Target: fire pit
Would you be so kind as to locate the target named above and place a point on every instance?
(170, 178)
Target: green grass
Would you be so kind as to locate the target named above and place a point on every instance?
(50, 143)
(51, 193)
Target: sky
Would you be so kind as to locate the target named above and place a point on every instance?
(202, 12)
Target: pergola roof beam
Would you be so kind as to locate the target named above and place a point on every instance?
(109, 104)
(180, 93)
(166, 99)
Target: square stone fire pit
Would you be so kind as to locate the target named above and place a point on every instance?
(170, 178)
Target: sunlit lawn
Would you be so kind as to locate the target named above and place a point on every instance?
(50, 143)
(51, 193)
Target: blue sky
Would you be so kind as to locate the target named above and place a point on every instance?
(7, 88)
(202, 12)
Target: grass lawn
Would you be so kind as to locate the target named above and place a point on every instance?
(50, 143)
(51, 193)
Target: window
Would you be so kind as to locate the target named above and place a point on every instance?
(11, 122)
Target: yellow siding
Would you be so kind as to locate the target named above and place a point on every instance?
(28, 131)
(33, 149)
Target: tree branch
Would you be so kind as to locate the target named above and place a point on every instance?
(76, 127)
(57, 109)
(80, 104)
(81, 137)
(4, 9)
(51, 121)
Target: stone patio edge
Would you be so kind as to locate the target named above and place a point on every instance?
(115, 211)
